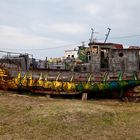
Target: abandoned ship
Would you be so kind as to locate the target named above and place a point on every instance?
(100, 70)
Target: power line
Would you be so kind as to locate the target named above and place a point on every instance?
(49, 48)
(129, 36)
(9, 52)
(69, 45)
(121, 37)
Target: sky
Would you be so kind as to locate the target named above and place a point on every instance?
(46, 28)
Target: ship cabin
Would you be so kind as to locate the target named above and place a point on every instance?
(110, 57)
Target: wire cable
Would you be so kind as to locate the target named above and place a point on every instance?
(70, 45)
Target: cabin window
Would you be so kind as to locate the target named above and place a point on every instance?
(77, 69)
(104, 58)
(88, 56)
(121, 54)
(95, 50)
(84, 69)
(58, 67)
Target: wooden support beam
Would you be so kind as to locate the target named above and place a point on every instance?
(84, 96)
(48, 96)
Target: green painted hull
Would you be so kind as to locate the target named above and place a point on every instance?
(89, 87)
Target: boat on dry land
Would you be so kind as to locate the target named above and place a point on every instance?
(71, 84)
(101, 70)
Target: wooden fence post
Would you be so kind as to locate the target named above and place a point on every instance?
(84, 96)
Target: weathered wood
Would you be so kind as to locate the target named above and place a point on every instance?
(84, 97)
(48, 96)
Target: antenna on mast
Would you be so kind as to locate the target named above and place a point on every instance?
(91, 38)
(107, 35)
(83, 44)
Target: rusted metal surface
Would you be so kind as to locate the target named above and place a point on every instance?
(107, 68)
(73, 84)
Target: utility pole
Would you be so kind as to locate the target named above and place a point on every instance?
(90, 48)
(107, 35)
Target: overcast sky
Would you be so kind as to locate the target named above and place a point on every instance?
(48, 27)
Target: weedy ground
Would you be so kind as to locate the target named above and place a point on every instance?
(25, 117)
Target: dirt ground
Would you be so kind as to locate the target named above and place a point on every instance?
(24, 117)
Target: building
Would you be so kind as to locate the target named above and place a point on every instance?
(71, 54)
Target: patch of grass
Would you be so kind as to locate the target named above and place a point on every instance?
(5, 110)
(26, 117)
(107, 118)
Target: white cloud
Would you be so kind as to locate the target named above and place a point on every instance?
(20, 40)
(28, 24)
(92, 8)
(58, 28)
(11, 36)
(67, 28)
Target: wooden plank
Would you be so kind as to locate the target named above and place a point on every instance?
(84, 97)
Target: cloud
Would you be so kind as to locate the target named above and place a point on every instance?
(21, 40)
(34, 24)
(92, 8)
(69, 28)
(11, 36)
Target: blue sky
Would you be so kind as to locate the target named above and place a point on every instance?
(48, 27)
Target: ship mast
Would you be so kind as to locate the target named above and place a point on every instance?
(92, 32)
(107, 35)
(92, 38)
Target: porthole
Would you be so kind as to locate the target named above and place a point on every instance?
(121, 54)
